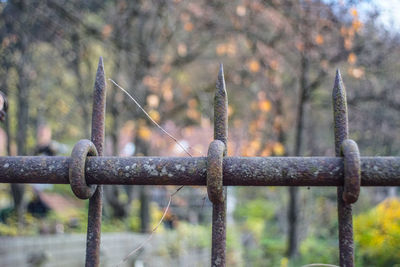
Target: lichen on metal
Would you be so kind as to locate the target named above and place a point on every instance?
(345, 216)
(96, 202)
(352, 171)
(215, 188)
(347, 171)
(77, 180)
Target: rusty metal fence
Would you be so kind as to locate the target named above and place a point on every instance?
(86, 170)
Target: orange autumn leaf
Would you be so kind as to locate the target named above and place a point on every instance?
(274, 64)
(221, 49)
(264, 105)
(352, 58)
(266, 152)
(278, 149)
(154, 115)
(254, 66)
(356, 72)
(357, 25)
(188, 26)
(144, 133)
(319, 39)
(255, 144)
(230, 110)
(193, 114)
(106, 32)
(354, 12)
(348, 43)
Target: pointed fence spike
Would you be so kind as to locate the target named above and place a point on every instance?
(339, 112)
(99, 104)
(95, 202)
(221, 109)
(345, 217)
(218, 247)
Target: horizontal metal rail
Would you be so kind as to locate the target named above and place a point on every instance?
(237, 171)
(86, 173)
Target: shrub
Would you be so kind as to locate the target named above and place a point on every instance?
(377, 234)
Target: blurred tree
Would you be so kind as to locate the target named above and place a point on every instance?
(150, 40)
(278, 56)
(21, 61)
(297, 37)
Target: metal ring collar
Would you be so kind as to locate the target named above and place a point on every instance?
(81, 150)
(214, 171)
(352, 171)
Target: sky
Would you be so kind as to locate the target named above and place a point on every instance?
(389, 12)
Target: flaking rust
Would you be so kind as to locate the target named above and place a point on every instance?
(95, 202)
(233, 171)
(237, 171)
(221, 110)
(215, 186)
(345, 216)
(340, 117)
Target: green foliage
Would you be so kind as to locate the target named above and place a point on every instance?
(77, 222)
(234, 248)
(273, 250)
(265, 245)
(62, 189)
(319, 250)
(9, 228)
(199, 235)
(61, 76)
(377, 233)
(253, 214)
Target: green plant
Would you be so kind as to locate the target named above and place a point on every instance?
(377, 233)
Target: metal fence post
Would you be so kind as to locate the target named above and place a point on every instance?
(216, 171)
(215, 188)
(345, 216)
(95, 202)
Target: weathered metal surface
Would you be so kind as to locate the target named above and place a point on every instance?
(83, 171)
(80, 152)
(95, 202)
(345, 217)
(215, 187)
(218, 246)
(340, 117)
(237, 171)
(217, 195)
(217, 150)
(221, 110)
(352, 171)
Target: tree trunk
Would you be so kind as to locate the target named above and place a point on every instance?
(294, 197)
(144, 209)
(81, 96)
(4, 87)
(119, 209)
(18, 190)
(142, 149)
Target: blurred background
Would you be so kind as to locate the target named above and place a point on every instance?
(280, 59)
